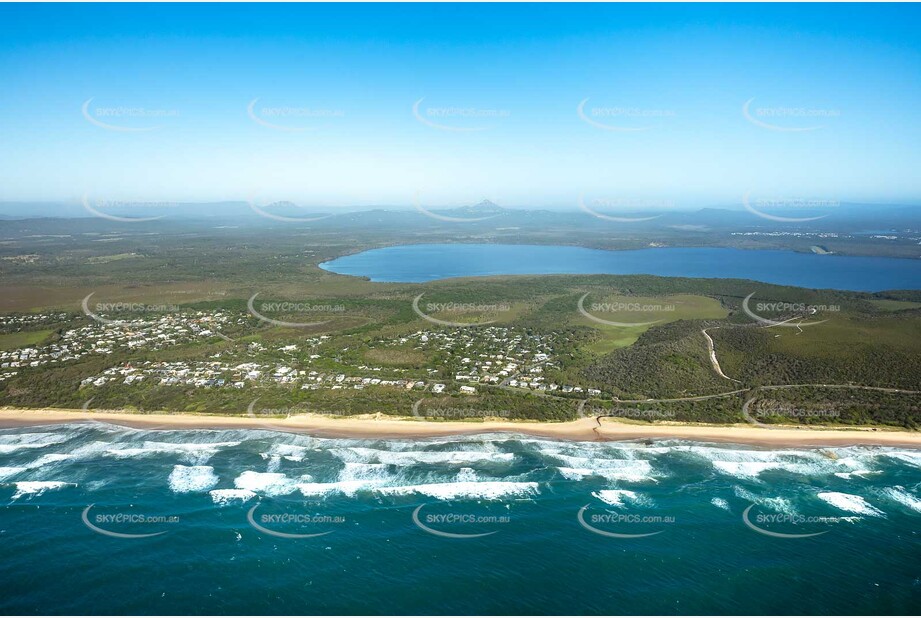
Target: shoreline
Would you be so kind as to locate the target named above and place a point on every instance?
(380, 426)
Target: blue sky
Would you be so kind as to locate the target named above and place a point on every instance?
(835, 115)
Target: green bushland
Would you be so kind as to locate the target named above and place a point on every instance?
(871, 340)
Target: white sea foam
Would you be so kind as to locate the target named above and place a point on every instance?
(850, 503)
(290, 452)
(777, 503)
(187, 479)
(575, 474)
(751, 463)
(912, 458)
(266, 483)
(353, 477)
(34, 437)
(903, 497)
(467, 475)
(223, 497)
(751, 469)
(50, 458)
(6, 449)
(8, 471)
(197, 453)
(90, 450)
(274, 463)
(619, 497)
(630, 470)
(858, 473)
(37, 488)
(12, 442)
(720, 503)
(44, 460)
(353, 471)
(486, 490)
(408, 458)
(347, 488)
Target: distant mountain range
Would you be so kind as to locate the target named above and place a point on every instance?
(839, 217)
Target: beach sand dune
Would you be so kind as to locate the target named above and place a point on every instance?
(380, 426)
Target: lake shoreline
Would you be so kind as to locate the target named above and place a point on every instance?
(425, 262)
(382, 427)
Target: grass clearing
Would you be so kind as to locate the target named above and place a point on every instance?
(396, 357)
(846, 333)
(642, 310)
(24, 339)
(894, 305)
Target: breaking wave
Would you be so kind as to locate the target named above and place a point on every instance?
(850, 503)
(187, 479)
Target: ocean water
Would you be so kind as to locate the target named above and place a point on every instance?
(101, 519)
(419, 263)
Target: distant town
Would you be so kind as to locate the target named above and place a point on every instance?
(489, 355)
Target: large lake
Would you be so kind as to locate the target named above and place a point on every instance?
(418, 263)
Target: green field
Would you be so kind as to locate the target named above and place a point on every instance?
(11, 341)
(894, 305)
(658, 309)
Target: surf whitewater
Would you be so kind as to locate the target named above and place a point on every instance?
(103, 519)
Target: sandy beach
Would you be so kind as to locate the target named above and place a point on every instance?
(380, 426)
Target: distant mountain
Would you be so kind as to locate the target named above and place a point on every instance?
(845, 217)
(486, 208)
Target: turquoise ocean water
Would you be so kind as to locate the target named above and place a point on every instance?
(100, 519)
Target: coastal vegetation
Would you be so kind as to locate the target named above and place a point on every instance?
(524, 347)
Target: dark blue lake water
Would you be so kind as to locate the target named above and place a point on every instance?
(418, 263)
